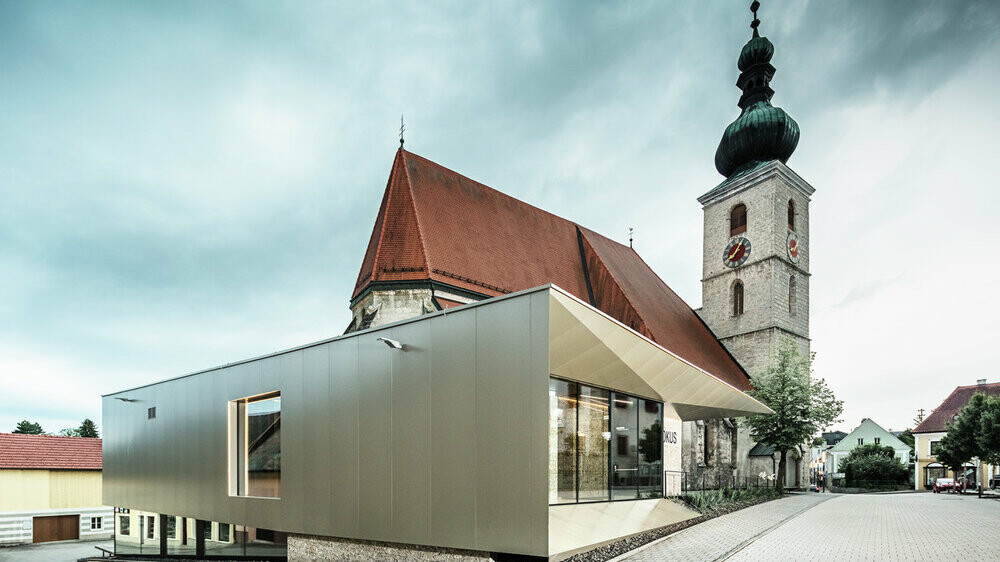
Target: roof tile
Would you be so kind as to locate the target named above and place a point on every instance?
(49, 452)
(435, 224)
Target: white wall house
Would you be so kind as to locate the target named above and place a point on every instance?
(865, 434)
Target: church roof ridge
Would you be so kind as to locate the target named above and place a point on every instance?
(438, 226)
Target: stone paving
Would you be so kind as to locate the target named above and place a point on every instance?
(863, 527)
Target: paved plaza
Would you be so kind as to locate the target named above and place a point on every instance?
(869, 527)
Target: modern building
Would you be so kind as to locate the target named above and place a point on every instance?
(529, 424)
(867, 433)
(50, 489)
(929, 432)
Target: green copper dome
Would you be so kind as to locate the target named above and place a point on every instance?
(757, 50)
(762, 132)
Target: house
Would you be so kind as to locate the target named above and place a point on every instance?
(867, 433)
(50, 489)
(929, 432)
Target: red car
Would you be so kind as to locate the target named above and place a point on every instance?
(944, 484)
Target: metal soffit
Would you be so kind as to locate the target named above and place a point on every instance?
(589, 346)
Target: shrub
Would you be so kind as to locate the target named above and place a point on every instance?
(873, 466)
(708, 501)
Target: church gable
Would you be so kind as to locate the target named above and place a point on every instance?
(395, 250)
(452, 233)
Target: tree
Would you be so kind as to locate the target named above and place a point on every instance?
(70, 432)
(959, 445)
(974, 433)
(907, 437)
(873, 463)
(87, 429)
(27, 427)
(651, 444)
(989, 431)
(803, 405)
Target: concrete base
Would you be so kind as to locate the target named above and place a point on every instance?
(578, 527)
(302, 548)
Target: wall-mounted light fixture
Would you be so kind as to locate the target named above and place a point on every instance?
(391, 343)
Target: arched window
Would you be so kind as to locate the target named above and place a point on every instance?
(791, 215)
(738, 220)
(737, 298)
(791, 295)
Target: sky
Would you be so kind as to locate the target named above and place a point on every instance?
(184, 185)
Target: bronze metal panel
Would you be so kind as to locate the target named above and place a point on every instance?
(453, 429)
(375, 443)
(411, 434)
(345, 466)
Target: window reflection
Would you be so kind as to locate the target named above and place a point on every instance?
(603, 445)
(264, 447)
(562, 441)
(650, 473)
(592, 444)
(624, 461)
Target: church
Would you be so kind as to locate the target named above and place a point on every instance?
(442, 240)
(511, 386)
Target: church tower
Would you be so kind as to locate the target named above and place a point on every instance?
(755, 264)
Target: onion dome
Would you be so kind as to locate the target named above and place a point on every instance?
(762, 132)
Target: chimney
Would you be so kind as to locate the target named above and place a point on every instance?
(981, 382)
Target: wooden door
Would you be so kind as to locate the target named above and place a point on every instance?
(55, 528)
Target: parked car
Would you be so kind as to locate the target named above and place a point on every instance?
(995, 482)
(944, 485)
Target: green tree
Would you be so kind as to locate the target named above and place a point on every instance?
(650, 443)
(964, 441)
(803, 405)
(907, 437)
(988, 438)
(70, 432)
(873, 463)
(31, 428)
(87, 429)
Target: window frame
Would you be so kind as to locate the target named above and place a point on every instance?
(791, 215)
(738, 222)
(97, 523)
(124, 525)
(738, 297)
(238, 472)
(639, 402)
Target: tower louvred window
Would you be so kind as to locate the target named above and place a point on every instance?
(791, 215)
(738, 220)
(738, 298)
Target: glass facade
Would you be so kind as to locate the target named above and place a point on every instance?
(188, 538)
(603, 445)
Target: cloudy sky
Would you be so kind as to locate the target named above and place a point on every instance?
(188, 184)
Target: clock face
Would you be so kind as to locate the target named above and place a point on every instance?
(792, 245)
(736, 252)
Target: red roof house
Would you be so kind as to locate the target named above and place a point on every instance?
(437, 226)
(49, 452)
(946, 412)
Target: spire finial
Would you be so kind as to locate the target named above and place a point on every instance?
(402, 128)
(754, 6)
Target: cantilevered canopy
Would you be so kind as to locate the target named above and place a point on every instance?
(591, 347)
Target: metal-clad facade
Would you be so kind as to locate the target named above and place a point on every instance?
(443, 443)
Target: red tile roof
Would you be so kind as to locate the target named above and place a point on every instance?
(49, 451)
(435, 224)
(955, 401)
